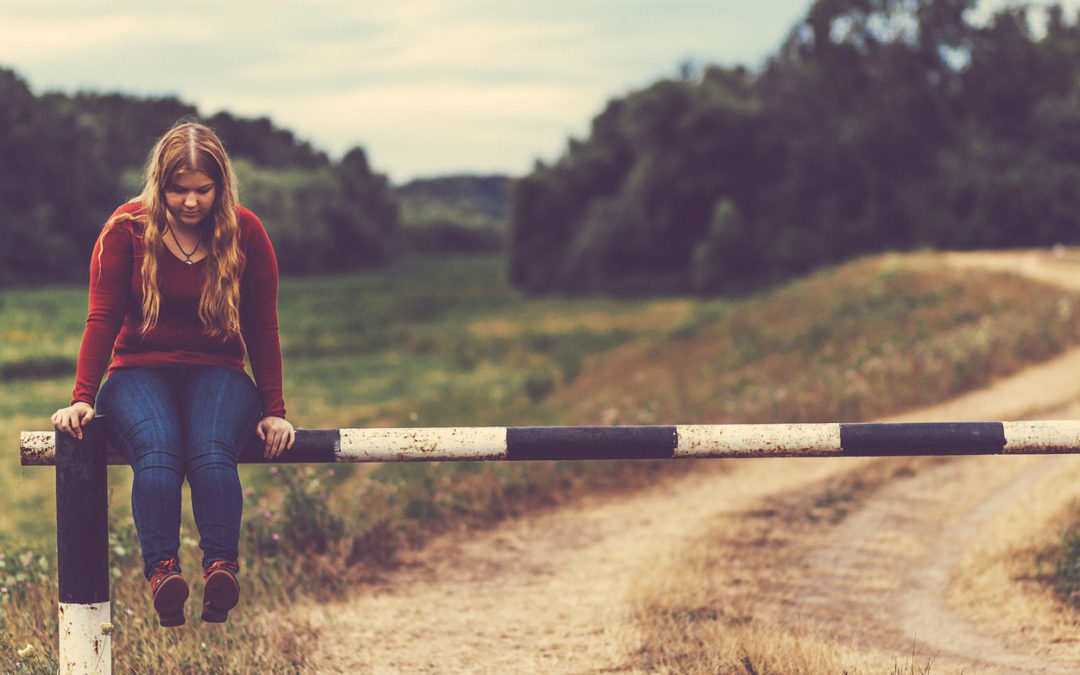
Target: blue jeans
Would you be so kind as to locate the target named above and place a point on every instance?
(177, 422)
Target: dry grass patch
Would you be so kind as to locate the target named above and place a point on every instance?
(1011, 571)
(653, 315)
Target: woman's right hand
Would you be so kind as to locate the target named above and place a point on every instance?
(71, 419)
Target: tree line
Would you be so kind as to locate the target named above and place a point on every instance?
(876, 125)
(69, 160)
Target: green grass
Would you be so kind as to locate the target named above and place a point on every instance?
(436, 342)
(851, 343)
(447, 342)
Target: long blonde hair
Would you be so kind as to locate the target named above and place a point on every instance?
(187, 148)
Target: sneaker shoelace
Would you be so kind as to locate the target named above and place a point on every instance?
(222, 564)
(162, 570)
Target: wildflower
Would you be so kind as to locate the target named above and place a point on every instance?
(273, 469)
(275, 536)
(3, 590)
(249, 491)
(26, 558)
(329, 472)
(107, 628)
(26, 652)
(267, 515)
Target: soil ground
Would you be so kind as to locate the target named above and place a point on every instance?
(908, 575)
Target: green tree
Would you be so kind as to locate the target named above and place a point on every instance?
(69, 160)
(878, 124)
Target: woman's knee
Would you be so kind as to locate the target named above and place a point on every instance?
(155, 477)
(154, 460)
(213, 454)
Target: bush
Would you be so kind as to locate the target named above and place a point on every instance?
(446, 237)
(300, 521)
(1066, 561)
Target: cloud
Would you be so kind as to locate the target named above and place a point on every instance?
(440, 127)
(425, 85)
(42, 38)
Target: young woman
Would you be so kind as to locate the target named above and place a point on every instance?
(182, 280)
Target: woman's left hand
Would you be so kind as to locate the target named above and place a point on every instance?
(278, 435)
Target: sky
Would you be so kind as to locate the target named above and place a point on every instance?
(426, 87)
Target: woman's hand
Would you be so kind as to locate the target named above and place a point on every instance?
(278, 435)
(71, 419)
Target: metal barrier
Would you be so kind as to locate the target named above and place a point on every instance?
(82, 491)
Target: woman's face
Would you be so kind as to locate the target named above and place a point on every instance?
(189, 197)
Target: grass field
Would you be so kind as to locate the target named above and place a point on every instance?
(446, 342)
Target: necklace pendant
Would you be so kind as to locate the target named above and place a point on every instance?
(189, 261)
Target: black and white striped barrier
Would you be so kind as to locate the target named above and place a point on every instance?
(456, 444)
(81, 490)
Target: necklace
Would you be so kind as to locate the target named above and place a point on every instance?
(187, 256)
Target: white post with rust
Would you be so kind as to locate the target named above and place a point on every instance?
(82, 553)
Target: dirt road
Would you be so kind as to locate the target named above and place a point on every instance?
(919, 572)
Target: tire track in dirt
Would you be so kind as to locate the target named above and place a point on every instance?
(885, 572)
(550, 593)
(925, 611)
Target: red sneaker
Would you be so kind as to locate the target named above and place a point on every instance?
(170, 591)
(221, 592)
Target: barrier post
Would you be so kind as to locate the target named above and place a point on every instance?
(82, 552)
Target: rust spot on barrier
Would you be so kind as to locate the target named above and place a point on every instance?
(37, 448)
(421, 442)
(68, 665)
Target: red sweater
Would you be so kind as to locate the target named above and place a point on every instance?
(115, 314)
